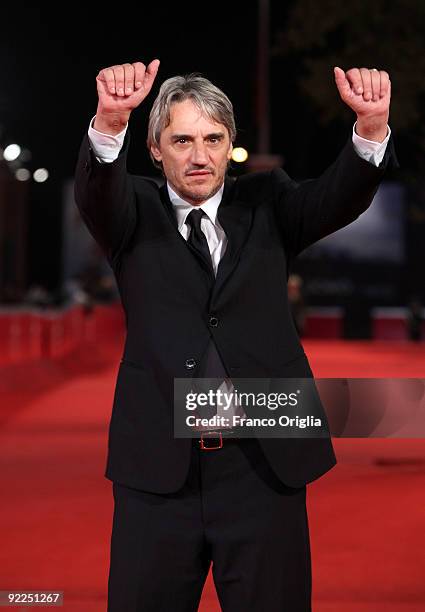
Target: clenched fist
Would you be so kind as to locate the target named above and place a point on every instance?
(120, 90)
(367, 92)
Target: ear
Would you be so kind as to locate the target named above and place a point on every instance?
(156, 153)
(229, 152)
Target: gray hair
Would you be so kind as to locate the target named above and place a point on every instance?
(210, 100)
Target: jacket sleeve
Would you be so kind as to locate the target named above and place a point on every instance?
(312, 209)
(104, 194)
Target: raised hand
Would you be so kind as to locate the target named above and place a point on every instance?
(367, 92)
(121, 88)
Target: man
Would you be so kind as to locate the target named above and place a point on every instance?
(201, 265)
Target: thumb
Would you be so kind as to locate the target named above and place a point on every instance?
(150, 74)
(342, 83)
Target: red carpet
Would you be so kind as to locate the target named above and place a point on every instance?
(367, 516)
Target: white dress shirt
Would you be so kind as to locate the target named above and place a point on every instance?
(210, 225)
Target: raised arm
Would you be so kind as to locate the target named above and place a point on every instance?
(104, 191)
(310, 210)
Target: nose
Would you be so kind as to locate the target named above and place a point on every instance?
(199, 154)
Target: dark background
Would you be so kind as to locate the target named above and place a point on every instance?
(50, 58)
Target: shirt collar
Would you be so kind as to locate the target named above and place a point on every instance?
(183, 208)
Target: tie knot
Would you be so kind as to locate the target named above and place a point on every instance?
(193, 219)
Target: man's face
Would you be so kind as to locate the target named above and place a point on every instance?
(194, 151)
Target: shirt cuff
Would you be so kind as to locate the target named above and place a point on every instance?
(370, 150)
(106, 147)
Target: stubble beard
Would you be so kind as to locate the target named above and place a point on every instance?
(201, 197)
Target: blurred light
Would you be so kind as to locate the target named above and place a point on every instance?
(40, 175)
(239, 154)
(22, 174)
(12, 152)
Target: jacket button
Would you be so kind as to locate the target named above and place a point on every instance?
(213, 321)
(190, 364)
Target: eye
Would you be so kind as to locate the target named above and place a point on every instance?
(182, 141)
(215, 140)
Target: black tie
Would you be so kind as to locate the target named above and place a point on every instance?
(197, 239)
(211, 366)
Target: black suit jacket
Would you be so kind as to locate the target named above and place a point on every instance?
(268, 219)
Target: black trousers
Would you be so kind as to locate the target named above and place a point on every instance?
(232, 512)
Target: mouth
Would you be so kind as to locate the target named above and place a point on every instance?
(199, 173)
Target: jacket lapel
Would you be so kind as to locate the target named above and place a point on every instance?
(163, 192)
(235, 217)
